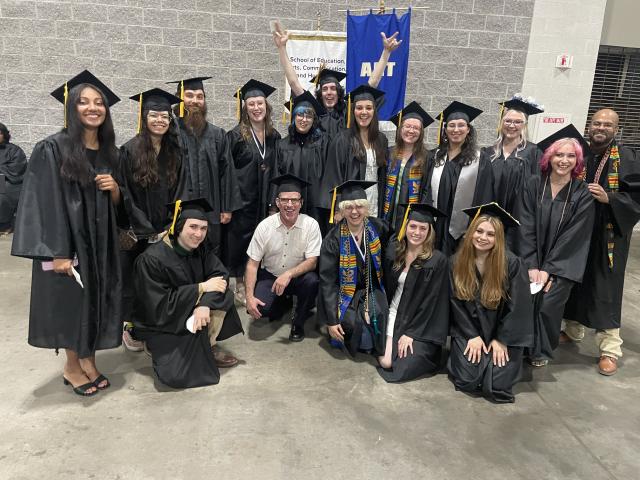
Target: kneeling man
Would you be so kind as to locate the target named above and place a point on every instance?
(183, 305)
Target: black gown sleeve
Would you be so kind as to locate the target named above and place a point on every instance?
(328, 273)
(527, 211)
(229, 193)
(515, 316)
(162, 306)
(42, 228)
(137, 217)
(624, 206)
(338, 153)
(15, 165)
(213, 267)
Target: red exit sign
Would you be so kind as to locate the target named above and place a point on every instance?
(553, 120)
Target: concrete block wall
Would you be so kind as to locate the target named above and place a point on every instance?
(469, 50)
(569, 27)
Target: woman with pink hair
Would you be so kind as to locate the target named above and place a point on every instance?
(555, 212)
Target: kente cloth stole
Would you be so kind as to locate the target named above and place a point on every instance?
(348, 267)
(613, 185)
(413, 185)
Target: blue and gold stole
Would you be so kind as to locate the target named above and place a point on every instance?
(413, 184)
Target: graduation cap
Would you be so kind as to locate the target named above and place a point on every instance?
(253, 88)
(413, 110)
(154, 99)
(363, 92)
(630, 183)
(457, 111)
(419, 212)
(526, 106)
(305, 99)
(493, 210)
(567, 132)
(194, 83)
(196, 208)
(289, 183)
(326, 75)
(62, 92)
(349, 190)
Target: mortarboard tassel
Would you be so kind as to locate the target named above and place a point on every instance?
(322, 67)
(181, 98)
(476, 215)
(176, 210)
(238, 93)
(333, 204)
(399, 118)
(440, 128)
(66, 95)
(139, 129)
(348, 110)
(403, 228)
(500, 119)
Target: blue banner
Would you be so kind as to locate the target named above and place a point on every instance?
(364, 47)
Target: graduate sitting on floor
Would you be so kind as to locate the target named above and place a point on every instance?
(183, 305)
(418, 291)
(491, 308)
(351, 299)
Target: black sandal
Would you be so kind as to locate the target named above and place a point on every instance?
(81, 390)
(99, 379)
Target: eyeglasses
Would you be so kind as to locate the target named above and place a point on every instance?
(164, 117)
(291, 201)
(354, 207)
(304, 116)
(411, 128)
(515, 123)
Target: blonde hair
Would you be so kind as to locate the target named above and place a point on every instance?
(494, 278)
(497, 146)
(360, 202)
(425, 254)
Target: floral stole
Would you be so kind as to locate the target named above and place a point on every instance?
(613, 185)
(348, 269)
(413, 184)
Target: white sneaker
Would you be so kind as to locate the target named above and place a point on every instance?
(131, 343)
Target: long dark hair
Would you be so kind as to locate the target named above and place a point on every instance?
(314, 133)
(341, 105)
(245, 123)
(145, 161)
(74, 165)
(373, 135)
(469, 150)
(419, 149)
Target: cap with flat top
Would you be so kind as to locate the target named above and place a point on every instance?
(194, 83)
(413, 110)
(418, 212)
(567, 132)
(187, 209)
(254, 88)
(459, 111)
(365, 92)
(305, 99)
(289, 183)
(154, 99)
(327, 75)
(348, 191)
(517, 103)
(84, 77)
(493, 210)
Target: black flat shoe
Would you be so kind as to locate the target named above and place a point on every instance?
(81, 390)
(99, 379)
(297, 334)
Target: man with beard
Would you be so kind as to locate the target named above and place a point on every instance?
(613, 177)
(13, 165)
(209, 166)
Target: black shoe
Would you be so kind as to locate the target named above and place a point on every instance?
(297, 334)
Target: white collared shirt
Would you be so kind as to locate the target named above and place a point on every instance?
(280, 248)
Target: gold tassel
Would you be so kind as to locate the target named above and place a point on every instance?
(176, 210)
(500, 119)
(284, 117)
(403, 228)
(476, 215)
(333, 204)
(322, 67)
(139, 129)
(348, 110)
(440, 128)
(238, 104)
(181, 98)
(399, 118)
(66, 95)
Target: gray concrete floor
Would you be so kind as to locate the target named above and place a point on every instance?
(304, 411)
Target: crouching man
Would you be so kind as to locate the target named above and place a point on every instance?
(183, 306)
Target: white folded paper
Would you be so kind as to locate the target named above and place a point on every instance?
(189, 325)
(535, 287)
(76, 275)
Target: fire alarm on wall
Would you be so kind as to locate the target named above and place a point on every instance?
(564, 61)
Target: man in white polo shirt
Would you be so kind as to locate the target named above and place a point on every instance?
(283, 255)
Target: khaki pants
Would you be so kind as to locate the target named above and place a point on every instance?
(608, 340)
(215, 325)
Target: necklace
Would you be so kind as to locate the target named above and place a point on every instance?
(262, 149)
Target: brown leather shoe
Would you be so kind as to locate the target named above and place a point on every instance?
(607, 365)
(564, 339)
(224, 360)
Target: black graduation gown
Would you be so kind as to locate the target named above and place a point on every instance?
(61, 219)
(329, 292)
(556, 244)
(423, 314)
(306, 161)
(147, 211)
(342, 166)
(597, 302)
(333, 122)
(252, 175)
(167, 286)
(13, 165)
(509, 179)
(483, 193)
(511, 324)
